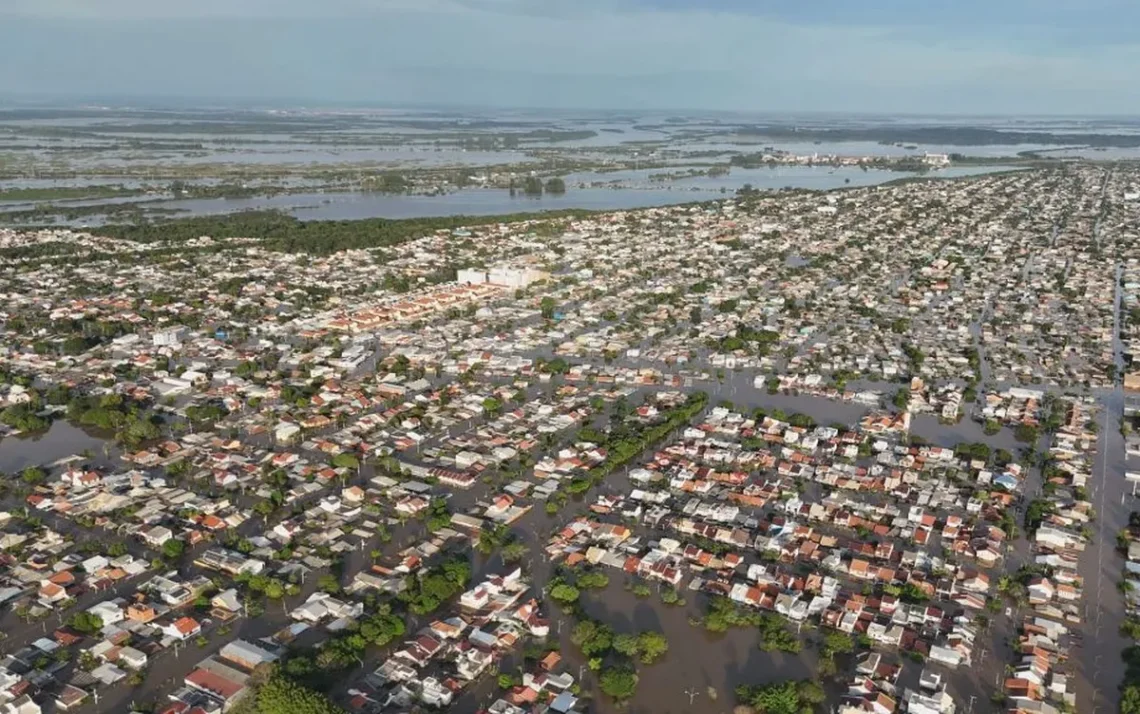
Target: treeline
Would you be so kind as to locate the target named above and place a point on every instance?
(942, 135)
(788, 697)
(627, 440)
(285, 233)
(533, 186)
(67, 193)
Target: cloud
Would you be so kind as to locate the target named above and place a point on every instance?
(890, 55)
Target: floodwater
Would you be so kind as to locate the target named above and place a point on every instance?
(965, 431)
(59, 442)
(770, 177)
(698, 661)
(751, 144)
(1111, 153)
(348, 206)
(91, 159)
(486, 202)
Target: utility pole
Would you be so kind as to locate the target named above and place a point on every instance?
(691, 694)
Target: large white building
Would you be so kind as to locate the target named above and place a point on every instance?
(468, 276)
(503, 275)
(169, 338)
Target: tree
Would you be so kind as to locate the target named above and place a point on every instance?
(595, 638)
(346, 461)
(274, 589)
(626, 644)
(619, 682)
(456, 571)
(426, 593)
(811, 692)
(1035, 513)
(1130, 628)
(382, 628)
(513, 552)
(593, 580)
(1130, 699)
(651, 646)
(835, 642)
(555, 185)
(173, 549)
(1025, 433)
(782, 698)
(33, 475)
(137, 429)
(562, 592)
(532, 186)
(492, 405)
(86, 623)
(507, 680)
(264, 508)
(546, 306)
(556, 365)
(328, 583)
(723, 614)
(24, 418)
(438, 515)
(283, 696)
(912, 593)
(774, 635)
(491, 538)
(902, 398)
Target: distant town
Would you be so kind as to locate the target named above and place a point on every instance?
(860, 451)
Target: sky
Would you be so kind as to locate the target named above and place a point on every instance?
(881, 56)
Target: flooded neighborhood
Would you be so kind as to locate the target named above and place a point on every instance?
(863, 451)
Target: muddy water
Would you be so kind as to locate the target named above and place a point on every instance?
(708, 666)
(59, 442)
(967, 430)
(697, 660)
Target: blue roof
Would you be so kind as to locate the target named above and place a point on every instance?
(1007, 481)
(564, 702)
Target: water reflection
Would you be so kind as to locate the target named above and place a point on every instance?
(59, 442)
(475, 202)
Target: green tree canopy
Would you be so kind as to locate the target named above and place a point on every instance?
(619, 682)
(283, 696)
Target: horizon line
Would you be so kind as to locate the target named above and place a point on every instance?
(172, 102)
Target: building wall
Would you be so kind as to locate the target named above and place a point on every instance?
(473, 277)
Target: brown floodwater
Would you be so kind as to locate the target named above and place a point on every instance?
(59, 442)
(698, 661)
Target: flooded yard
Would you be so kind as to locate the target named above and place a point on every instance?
(698, 661)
